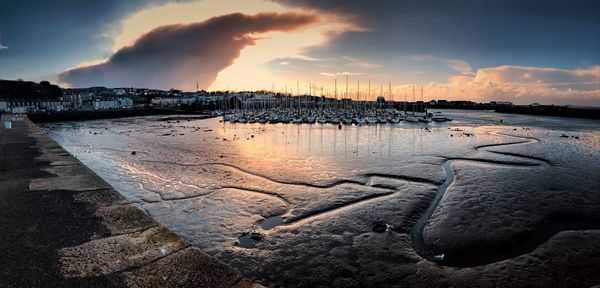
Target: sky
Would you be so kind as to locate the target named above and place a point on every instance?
(524, 51)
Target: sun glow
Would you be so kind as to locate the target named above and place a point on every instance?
(249, 71)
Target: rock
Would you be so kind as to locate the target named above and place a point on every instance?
(256, 236)
(379, 227)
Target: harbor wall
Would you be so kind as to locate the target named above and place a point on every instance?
(61, 225)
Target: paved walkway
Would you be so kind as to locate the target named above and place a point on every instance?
(63, 226)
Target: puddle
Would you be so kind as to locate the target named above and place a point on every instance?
(271, 222)
(249, 240)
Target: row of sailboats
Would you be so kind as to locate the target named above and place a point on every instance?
(309, 109)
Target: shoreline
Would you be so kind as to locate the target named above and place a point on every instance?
(40, 117)
(69, 228)
(545, 110)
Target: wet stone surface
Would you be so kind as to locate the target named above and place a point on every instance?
(63, 226)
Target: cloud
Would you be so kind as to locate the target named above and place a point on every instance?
(340, 74)
(284, 63)
(304, 58)
(2, 47)
(176, 56)
(553, 77)
(465, 26)
(462, 67)
(354, 62)
(523, 85)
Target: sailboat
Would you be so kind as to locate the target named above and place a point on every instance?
(412, 118)
(424, 117)
(394, 118)
(359, 119)
(371, 120)
(322, 119)
(439, 117)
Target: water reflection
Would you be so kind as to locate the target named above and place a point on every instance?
(296, 142)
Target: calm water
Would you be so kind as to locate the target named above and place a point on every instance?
(295, 205)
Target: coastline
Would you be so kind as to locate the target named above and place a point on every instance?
(63, 226)
(542, 110)
(109, 114)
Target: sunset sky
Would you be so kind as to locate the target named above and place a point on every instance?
(521, 51)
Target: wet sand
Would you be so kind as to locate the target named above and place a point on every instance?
(511, 204)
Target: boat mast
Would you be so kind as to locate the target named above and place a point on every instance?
(369, 93)
(413, 106)
(357, 94)
(422, 98)
(346, 91)
(335, 91)
(390, 90)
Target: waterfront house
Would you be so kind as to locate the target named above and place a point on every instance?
(20, 106)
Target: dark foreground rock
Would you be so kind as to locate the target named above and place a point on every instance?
(63, 226)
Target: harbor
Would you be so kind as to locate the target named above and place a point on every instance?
(299, 144)
(346, 109)
(282, 194)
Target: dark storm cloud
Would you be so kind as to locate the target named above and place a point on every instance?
(177, 56)
(45, 36)
(536, 32)
(49, 22)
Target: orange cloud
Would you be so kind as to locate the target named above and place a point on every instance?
(521, 84)
(176, 56)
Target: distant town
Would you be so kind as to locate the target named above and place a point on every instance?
(19, 97)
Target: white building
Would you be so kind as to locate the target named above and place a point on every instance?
(76, 100)
(105, 104)
(23, 105)
(52, 105)
(125, 102)
(173, 101)
(119, 103)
